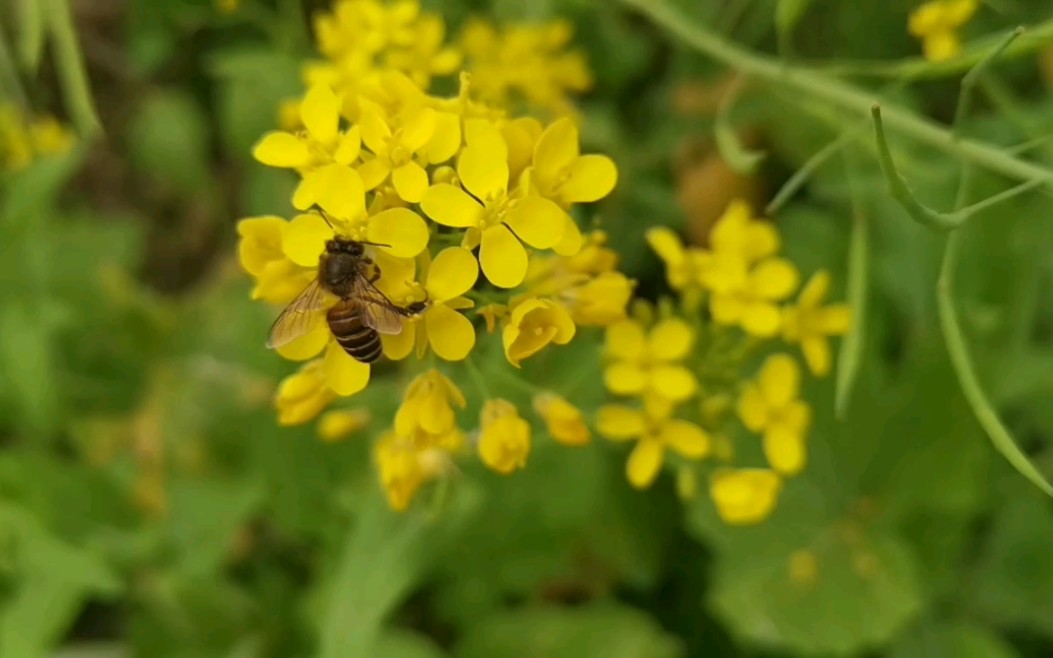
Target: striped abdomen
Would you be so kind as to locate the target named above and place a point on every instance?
(362, 342)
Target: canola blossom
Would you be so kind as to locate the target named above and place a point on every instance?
(472, 210)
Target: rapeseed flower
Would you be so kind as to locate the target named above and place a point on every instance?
(655, 433)
(532, 324)
(771, 406)
(744, 496)
(809, 323)
(429, 407)
(504, 437)
(303, 395)
(650, 363)
(937, 23)
(336, 426)
(563, 420)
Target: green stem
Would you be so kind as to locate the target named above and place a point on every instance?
(30, 34)
(822, 87)
(969, 81)
(477, 378)
(9, 80)
(73, 75)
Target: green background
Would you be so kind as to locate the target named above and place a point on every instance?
(127, 339)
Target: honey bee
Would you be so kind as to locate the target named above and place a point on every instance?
(362, 313)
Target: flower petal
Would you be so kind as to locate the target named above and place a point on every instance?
(556, 149)
(445, 140)
(686, 439)
(336, 188)
(670, 340)
(815, 290)
(817, 354)
(320, 112)
(644, 463)
(403, 232)
(310, 344)
(666, 244)
(449, 205)
(453, 272)
(572, 241)
(375, 131)
(785, 451)
(410, 181)
(752, 408)
(591, 178)
(343, 374)
(398, 346)
(761, 319)
(451, 335)
(538, 222)
(616, 422)
(744, 496)
(833, 320)
(281, 149)
(779, 380)
(624, 378)
(774, 279)
(304, 239)
(503, 257)
(625, 340)
(675, 383)
(348, 146)
(482, 173)
(417, 129)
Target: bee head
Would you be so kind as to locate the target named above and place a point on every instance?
(416, 308)
(349, 247)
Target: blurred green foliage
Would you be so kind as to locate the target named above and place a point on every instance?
(150, 505)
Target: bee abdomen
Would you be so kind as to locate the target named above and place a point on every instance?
(360, 341)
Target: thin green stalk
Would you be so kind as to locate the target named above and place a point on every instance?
(73, 75)
(845, 96)
(810, 166)
(969, 80)
(30, 34)
(850, 356)
(9, 80)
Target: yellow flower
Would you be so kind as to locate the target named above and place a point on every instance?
(772, 406)
(746, 294)
(428, 407)
(504, 438)
(655, 433)
(404, 467)
(397, 232)
(496, 219)
(744, 496)
(737, 233)
(810, 323)
(302, 396)
(600, 301)
(532, 324)
(426, 55)
(393, 142)
(322, 142)
(683, 266)
(936, 23)
(563, 420)
(524, 62)
(365, 26)
(22, 138)
(338, 425)
(648, 363)
(450, 334)
(562, 174)
(260, 243)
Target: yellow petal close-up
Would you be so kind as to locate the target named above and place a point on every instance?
(483, 173)
(744, 496)
(590, 178)
(373, 172)
(304, 239)
(815, 291)
(774, 279)
(417, 129)
(675, 383)
(761, 319)
(619, 423)
(785, 452)
(375, 131)
(502, 256)
(645, 461)
(670, 340)
(311, 343)
(449, 205)
(538, 222)
(281, 149)
(453, 273)
(779, 380)
(445, 139)
(344, 374)
(336, 188)
(403, 231)
(816, 350)
(348, 146)
(624, 378)
(556, 149)
(572, 241)
(320, 112)
(666, 244)
(685, 438)
(450, 334)
(260, 243)
(410, 181)
(752, 407)
(625, 340)
(398, 346)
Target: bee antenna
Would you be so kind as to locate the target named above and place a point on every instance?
(318, 209)
(374, 244)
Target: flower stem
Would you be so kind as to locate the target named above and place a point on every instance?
(845, 96)
(70, 64)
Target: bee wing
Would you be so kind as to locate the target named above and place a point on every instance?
(378, 312)
(300, 317)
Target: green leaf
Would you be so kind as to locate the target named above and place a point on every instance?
(787, 14)
(168, 139)
(955, 640)
(598, 630)
(386, 555)
(863, 591)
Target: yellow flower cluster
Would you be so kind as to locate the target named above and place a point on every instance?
(24, 138)
(937, 23)
(683, 364)
(465, 213)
